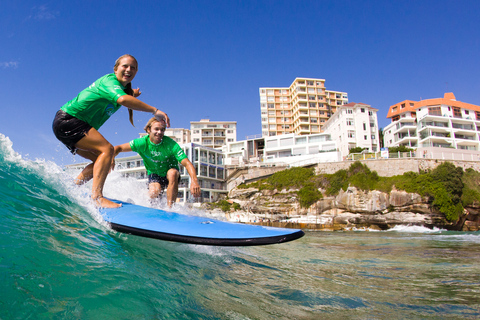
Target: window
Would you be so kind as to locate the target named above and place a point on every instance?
(364, 126)
(351, 134)
(349, 111)
(435, 111)
(456, 112)
(362, 110)
(365, 137)
(350, 122)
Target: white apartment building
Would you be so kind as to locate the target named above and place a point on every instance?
(302, 108)
(208, 163)
(250, 150)
(434, 123)
(354, 125)
(286, 148)
(213, 134)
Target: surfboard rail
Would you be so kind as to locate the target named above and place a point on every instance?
(171, 226)
(232, 242)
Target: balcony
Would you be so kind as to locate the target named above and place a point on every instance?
(425, 135)
(469, 127)
(424, 124)
(465, 137)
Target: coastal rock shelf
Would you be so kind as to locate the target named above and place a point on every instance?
(350, 209)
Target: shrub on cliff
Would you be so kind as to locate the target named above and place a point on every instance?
(290, 178)
(361, 177)
(357, 175)
(334, 182)
(443, 186)
(224, 205)
(308, 195)
(471, 188)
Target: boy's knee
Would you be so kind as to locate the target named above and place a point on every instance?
(172, 176)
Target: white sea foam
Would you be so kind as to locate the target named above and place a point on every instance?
(415, 229)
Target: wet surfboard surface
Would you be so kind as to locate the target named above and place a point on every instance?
(171, 226)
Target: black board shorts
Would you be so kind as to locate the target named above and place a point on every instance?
(69, 130)
(158, 179)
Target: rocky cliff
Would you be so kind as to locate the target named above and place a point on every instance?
(348, 210)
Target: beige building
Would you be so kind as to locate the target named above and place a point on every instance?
(180, 135)
(213, 134)
(302, 108)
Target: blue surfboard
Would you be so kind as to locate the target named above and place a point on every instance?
(171, 226)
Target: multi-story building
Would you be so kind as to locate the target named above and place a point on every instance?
(213, 134)
(354, 125)
(180, 135)
(245, 151)
(286, 148)
(208, 163)
(302, 108)
(441, 122)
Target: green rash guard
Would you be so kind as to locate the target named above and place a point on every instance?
(158, 158)
(98, 102)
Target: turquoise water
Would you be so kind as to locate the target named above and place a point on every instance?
(59, 261)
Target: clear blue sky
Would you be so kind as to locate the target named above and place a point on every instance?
(207, 59)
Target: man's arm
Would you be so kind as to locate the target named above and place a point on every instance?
(120, 148)
(194, 186)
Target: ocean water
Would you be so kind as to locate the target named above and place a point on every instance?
(58, 260)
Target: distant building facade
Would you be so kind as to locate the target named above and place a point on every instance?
(354, 125)
(286, 148)
(180, 135)
(302, 108)
(213, 134)
(434, 123)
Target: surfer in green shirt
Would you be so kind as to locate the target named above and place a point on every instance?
(161, 156)
(77, 123)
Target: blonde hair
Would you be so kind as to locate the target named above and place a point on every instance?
(150, 123)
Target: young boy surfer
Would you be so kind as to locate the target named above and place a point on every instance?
(76, 124)
(161, 156)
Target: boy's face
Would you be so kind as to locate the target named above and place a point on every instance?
(156, 132)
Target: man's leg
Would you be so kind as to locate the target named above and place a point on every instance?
(154, 190)
(172, 189)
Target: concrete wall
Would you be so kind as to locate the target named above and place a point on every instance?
(392, 167)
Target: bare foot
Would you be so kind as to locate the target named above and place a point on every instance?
(101, 202)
